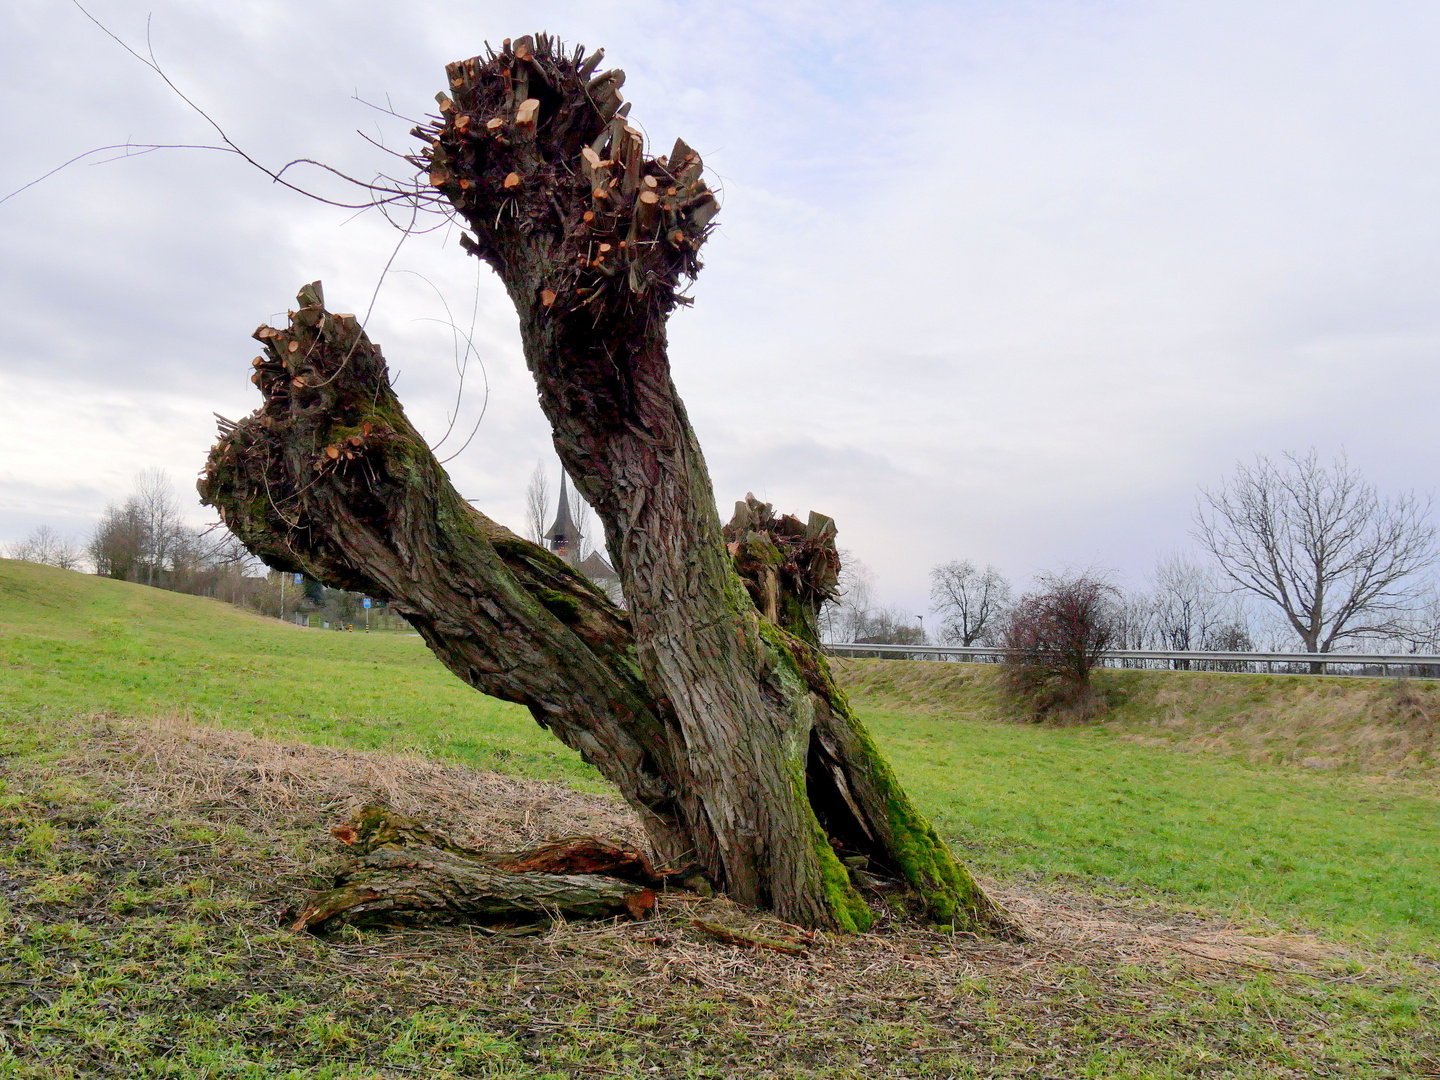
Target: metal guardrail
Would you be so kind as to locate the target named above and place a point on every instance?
(1417, 665)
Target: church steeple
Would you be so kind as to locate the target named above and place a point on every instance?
(564, 536)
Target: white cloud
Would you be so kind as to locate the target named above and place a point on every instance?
(992, 281)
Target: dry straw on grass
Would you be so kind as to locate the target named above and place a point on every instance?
(241, 823)
(280, 790)
(263, 784)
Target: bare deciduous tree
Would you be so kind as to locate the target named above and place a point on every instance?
(971, 601)
(145, 537)
(1056, 636)
(1191, 609)
(844, 615)
(1319, 544)
(48, 547)
(1421, 629)
(118, 542)
(889, 625)
(1188, 603)
(537, 504)
(854, 615)
(584, 519)
(1132, 622)
(160, 517)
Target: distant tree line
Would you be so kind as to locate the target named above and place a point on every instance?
(1296, 554)
(1302, 554)
(855, 616)
(145, 539)
(49, 548)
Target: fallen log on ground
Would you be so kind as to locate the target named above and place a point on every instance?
(405, 875)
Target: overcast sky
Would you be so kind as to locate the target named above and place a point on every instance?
(998, 281)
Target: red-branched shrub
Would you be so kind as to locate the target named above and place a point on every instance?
(1055, 637)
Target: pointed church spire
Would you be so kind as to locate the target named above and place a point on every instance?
(564, 535)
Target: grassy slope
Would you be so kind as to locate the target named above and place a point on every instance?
(141, 869)
(1336, 849)
(1329, 850)
(72, 644)
(142, 866)
(1348, 726)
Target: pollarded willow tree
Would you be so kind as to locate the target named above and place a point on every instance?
(707, 700)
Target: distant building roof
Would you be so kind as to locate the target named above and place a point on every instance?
(596, 568)
(564, 539)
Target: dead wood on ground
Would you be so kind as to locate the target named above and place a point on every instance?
(406, 874)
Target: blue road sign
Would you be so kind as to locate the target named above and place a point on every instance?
(366, 601)
(299, 578)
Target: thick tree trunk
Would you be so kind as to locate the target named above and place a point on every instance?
(330, 478)
(708, 701)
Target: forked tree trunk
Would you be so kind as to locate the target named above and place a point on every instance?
(707, 701)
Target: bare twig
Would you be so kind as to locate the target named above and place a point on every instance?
(753, 941)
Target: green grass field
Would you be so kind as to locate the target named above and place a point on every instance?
(139, 913)
(1330, 851)
(72, 644)
(1323, 852)
(1241, 826)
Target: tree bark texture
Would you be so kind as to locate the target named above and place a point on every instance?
(402, 872)
(707, 701)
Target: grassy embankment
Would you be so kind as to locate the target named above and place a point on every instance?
(72, 644)
(1201, 785)
(140, 869)
(1339, 850)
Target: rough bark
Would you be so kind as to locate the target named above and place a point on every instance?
(707, 701)
(404, 873)
(328, 477)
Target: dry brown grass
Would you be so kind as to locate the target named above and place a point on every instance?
(263, 784)
(1372, 727)
(274, 789)
(1118, 985)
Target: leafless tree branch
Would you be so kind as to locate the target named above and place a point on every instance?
(971, 601)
